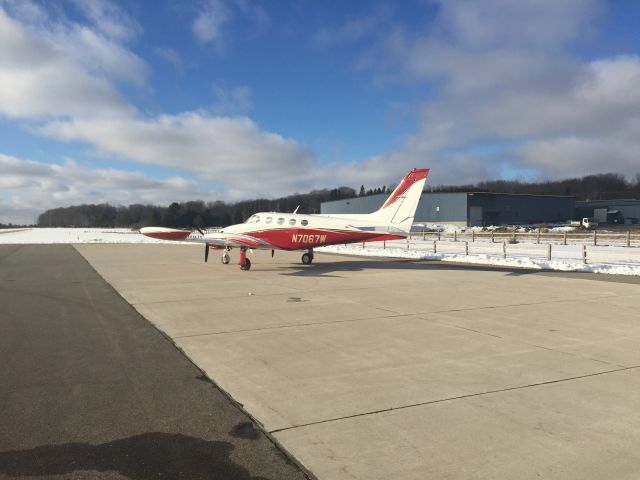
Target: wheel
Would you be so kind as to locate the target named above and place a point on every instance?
(246, 266)
(226, 258)
(307, 258)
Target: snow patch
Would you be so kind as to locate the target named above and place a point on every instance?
(567, 265)
(75, 235)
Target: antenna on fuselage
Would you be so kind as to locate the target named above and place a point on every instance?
(296, 210)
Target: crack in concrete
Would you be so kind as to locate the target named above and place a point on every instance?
(449, 399)
(396, 315)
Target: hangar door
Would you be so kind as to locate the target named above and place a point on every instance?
(475, 216)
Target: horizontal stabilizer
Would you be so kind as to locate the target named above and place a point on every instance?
(162, 233)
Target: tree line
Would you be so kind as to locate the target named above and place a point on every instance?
(590, 187)
(218, 213)
(186, 214)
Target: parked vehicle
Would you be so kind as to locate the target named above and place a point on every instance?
(586, 222)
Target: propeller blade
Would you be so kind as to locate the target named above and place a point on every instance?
(206, 252)
(201, 232)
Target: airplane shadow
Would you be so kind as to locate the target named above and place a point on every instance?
(327, 269)
(140, 457)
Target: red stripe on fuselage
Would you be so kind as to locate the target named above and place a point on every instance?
(303, 238)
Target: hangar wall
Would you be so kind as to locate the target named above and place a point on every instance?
(470, 209)
(354, 205)
(504, 208)
(433, 207)
(442, 208)
(628, 207)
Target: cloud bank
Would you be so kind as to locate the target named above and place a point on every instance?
(505, 90)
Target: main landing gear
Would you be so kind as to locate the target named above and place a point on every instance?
(307, 257)
(245, 263)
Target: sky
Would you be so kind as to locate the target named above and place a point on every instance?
(162, 101)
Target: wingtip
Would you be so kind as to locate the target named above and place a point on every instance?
(163, 233)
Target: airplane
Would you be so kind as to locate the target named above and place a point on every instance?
(295, 231)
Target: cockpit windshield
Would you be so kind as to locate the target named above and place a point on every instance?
(253, 219)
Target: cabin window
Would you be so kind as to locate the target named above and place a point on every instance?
(268, 220)
(304, 223)
(292, 221)
(280, 221)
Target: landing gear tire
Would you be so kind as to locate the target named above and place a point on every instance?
(247, 265)
(226, 258)
(307, 258)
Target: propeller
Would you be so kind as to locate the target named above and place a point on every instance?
(206, 245)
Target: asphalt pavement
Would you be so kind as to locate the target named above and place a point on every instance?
(90, 389)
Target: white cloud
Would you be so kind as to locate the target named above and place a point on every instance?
(29, 188)
(502, 77)
(232, 100)
(73, 97)
(353, 30)
(171, 56)
(255, 12)
(207, 27)
(494, 24)
(109, 18)
(62, 70)
(233, 151)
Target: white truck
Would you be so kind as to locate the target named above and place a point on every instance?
(586, 222)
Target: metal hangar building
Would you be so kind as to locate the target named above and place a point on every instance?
(470, 208)
(627, 210)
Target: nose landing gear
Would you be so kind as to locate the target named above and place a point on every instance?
(226, 258)
(307, 258)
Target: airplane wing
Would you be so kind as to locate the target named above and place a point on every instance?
(216, 239)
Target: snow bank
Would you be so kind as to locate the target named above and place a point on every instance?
(566, 265)
(563, 229)
(74, 235)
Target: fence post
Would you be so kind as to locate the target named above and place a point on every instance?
(514, 237)
(565, 237)
(538, 235)
(491, 236)
(628, 238)
(473, 235)
(362, 244)
(549, 253)
(384, 244)
(424, 235)
(435, 249)
(584, 254)
(504, 249)
(455, 235)
(438, 235)
(466, 248)
(595, 237)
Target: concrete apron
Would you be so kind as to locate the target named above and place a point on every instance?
(380, 369)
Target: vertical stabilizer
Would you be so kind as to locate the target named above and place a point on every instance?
(400, 208)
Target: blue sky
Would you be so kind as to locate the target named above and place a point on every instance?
(156, 102)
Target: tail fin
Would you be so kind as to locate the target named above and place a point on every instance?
(400, 208)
